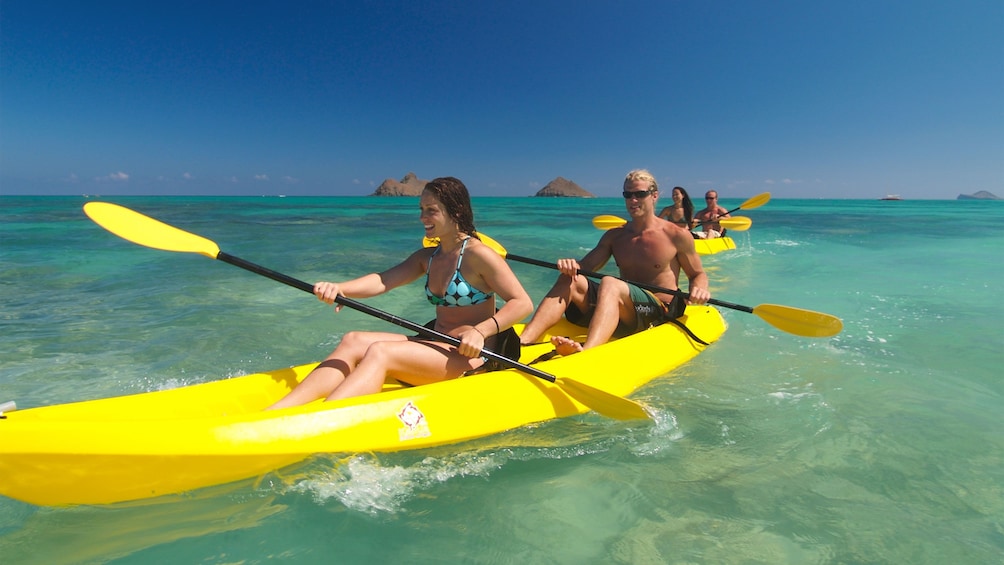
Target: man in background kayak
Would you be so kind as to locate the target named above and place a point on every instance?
(649, 250)
(709, 216)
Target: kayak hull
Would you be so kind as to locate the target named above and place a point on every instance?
(163, 442)
(714, 245)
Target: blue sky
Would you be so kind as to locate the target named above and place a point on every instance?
(801, 98)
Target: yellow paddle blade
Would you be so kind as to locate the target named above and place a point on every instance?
(737, 223)
(493, 244)
(755, 202)
(797, 321)
(607, 222)
(434, 241)
(603, 402)
(146, 231)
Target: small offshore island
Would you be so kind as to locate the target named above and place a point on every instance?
(411, 185)
(561, 187)
(981, 195)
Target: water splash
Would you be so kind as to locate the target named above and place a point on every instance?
(384, 484)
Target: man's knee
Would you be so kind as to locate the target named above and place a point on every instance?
(562, 287)
(612, 287)
(578, 288)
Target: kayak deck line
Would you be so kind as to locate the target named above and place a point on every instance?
(170, 441)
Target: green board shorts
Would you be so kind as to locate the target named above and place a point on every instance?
(649, 310)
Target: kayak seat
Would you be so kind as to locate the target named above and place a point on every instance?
(507, 345)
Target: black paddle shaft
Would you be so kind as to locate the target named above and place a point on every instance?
(385, 316)
(650, 287)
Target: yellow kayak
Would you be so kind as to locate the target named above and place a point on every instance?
(704, 246)
(714, 245)
(164, 442)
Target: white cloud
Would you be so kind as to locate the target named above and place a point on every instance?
(117, 177)
(261, 177)
(187, 176)
(356, 181)
(290, 180)
(233, 180)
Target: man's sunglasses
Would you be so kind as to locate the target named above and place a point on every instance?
(639, 194)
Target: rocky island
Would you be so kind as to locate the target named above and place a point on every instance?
(410, 185)
(564, 187)
(981, 195)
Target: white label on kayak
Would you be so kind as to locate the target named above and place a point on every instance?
(414, 422)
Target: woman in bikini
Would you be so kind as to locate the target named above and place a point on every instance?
(462, 278)
(681, 212)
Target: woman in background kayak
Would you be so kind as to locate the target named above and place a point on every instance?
(463, 278)
(681, 212)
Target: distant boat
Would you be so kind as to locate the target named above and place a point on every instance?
(891, 197)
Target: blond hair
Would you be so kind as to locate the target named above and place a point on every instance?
(642, 175)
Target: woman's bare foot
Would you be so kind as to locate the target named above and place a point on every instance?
(565, 346)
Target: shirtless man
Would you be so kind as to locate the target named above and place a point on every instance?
(648, 250)
(709, 216)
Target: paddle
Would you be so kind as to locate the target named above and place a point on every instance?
(607, 222)
(610, 222)
(146, 231)
(755, 202)
(795, 321)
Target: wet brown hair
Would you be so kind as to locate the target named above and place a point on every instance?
(452, 193)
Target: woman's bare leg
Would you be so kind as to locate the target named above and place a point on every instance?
(413, 361)
(331, 372)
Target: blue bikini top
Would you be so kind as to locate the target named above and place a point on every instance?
(459, 292)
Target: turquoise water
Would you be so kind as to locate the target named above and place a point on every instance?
(884, 444)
